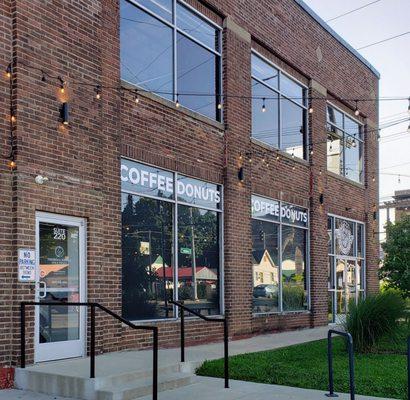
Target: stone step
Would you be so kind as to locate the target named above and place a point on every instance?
(143, 387)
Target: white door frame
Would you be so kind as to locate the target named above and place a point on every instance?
(75, 348)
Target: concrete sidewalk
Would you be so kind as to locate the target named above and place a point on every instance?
(211, 389)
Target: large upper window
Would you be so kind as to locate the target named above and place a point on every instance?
(171, 50)
(344, 145)
(279, 115)
(279, 249)
(170, 242)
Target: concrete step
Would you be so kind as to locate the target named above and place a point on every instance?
(125, 385)
(143, 387)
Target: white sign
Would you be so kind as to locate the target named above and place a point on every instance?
(26, 265)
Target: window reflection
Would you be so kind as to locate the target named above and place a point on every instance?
(198, 259)
(294, 291)
(265, 260)
(147, 277)
(293, 128)
(150, 67)
(334, 154)
(163, 8)
(197, 72)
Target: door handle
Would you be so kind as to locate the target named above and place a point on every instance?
(42, 290)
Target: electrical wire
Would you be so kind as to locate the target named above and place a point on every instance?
(384, 40)
(352, 11)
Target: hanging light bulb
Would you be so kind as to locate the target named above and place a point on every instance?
(8, 71)
(98, 92)
(357, 111)
(177, 102)
(240, 156)
(277, 157)
(12, 164)
(13, 118)
(293, 153)
(408, 107)
(310, 110)
(374, 179)
(311, 150)
(263, 105)
(399, 180)
(136, 98)
(408, 129)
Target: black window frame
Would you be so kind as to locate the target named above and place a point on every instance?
(218, 96)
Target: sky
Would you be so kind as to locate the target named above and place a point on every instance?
(379, 21)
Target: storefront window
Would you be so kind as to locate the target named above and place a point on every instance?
(151, 197)
(346, 269)
(279, 115)
(198, 259)
(279, 266)
(150, 37)
(345, 146)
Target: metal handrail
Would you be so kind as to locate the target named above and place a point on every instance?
(93, 306)
(349, 339)
(209, 319)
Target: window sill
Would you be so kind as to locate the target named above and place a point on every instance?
(346, 180)
(280, 152)
(170, 104)
(283, 313)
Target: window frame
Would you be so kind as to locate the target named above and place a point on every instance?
(175, 31)
(303, 105)
(176, 203)
(343, 141)
(307, 256)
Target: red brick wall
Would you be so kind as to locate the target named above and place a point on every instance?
(79, 41)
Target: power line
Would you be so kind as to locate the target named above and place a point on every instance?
(352, 11)
(394, 166)
(384, 40)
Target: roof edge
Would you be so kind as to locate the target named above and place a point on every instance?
(325, 26)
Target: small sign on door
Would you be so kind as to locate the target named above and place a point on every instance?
(26, 265)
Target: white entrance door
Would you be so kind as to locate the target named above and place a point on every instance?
(60, 253)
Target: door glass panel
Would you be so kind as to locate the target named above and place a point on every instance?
(59, 281)
(350, 281)
(340, 287)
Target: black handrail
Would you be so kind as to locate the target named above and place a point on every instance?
(349, 339)
(154, 330)
(209, 319)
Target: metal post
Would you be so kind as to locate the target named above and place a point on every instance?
(226, 355)
(92, 343)
(408, 367)
(22, 335)
(182, 334)
(351, 367)
(330, 365)
(155, 366)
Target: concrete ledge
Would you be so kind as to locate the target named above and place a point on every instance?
(238, 30)
(316, 86)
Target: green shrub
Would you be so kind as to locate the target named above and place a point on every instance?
(293, 297)
(373, 318)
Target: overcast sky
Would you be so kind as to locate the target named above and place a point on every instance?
(376, 22)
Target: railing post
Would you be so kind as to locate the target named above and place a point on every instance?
(182, 334)
(92, 343)
(330, 365)
(155, 365)
(226, 355)
(351, 366)
(22, 335)
(408, 367)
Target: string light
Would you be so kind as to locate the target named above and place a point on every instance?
(12, 164)
(310, 110)
(177, 101)
(240, 156)
(219, 106)
(13, 118)
(408, 107)
(293, 153)
(8, 71)
(98, 92)
(399, 179)
(277, 157)
(136, 98)
(374, 179)
(357, 111)
(263, 105)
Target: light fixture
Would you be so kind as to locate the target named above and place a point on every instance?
(64, 113)
(241, 176)
(219, 106)
(277, 157)
(240, 156)
(357, 111)
(310, 110)
(263, 105)
(62, 84)
(12, 164)
(293, 153)
(8, 71)
(136, 98)
(177, 102)
(97, 91)
(13, 118)
(374, 179)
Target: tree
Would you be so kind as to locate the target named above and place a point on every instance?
(396, 266)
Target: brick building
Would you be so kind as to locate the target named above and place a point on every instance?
(234, 170)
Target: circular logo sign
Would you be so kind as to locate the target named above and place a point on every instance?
(59, 251)
(344, 238)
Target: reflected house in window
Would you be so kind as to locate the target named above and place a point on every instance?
(264, 268)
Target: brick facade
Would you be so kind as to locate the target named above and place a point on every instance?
(79, 40)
